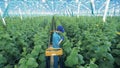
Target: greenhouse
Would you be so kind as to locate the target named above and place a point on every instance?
(59, 33)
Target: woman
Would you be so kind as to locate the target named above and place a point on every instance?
(56, 41)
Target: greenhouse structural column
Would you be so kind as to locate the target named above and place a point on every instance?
(20, 14)
(106, 10)
(78, 9)
(4, 23)
(5, 12)
(93, 7)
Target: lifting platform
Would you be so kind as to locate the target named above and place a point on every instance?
(51, 52)
(54, 52)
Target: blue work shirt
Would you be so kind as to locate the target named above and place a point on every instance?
(56, 38)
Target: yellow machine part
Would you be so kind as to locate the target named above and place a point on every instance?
(54, 51)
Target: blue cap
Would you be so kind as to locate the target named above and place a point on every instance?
(60, 28)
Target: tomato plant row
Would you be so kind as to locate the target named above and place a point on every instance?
(88, 42)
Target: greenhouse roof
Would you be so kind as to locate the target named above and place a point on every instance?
(60, 7)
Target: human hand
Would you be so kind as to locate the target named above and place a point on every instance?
(62, 38)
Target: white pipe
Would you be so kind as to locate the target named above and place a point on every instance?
(101, 7)
(1, 12)
(43, 1)
(85, 7)
(6, 6)
(78, 9)
(106, 10)
(77, 1)
(68, 12)
(20, 14)
(112, 12)
(93, 5)
(4, 23)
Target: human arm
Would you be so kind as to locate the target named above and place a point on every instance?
(62, 38)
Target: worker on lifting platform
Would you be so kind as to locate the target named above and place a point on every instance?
(57, 38)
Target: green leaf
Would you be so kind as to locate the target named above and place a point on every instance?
(2, 59)
(116, 51)
(34, 53)
(43, 64)
(93, 66)
(22, 61)
(110, 58)
(106, 65)
(31, 62)
(80, 59)
(118, 45)
(42, 57)
(73, 58)
(117, 60)
(8, 66)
